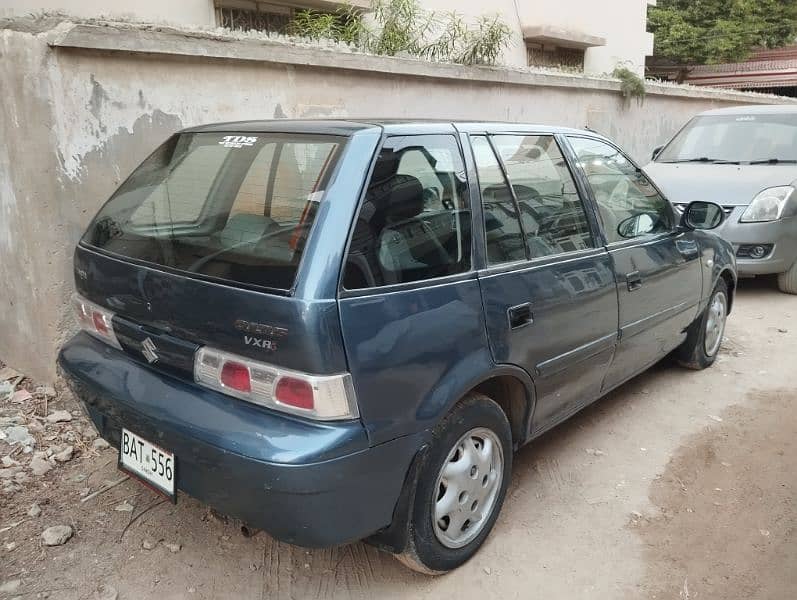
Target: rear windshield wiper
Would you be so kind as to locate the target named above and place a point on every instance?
(774, 161)
(704, 159)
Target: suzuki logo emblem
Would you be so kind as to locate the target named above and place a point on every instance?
(148, 349)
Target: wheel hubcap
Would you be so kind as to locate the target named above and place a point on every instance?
(467, 487)
(715, 323)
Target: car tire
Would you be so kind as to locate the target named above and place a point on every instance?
(469, 461)
(787, 282)
(704, 336)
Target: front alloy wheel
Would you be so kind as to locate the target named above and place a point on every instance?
(715, 323)
(704, 336)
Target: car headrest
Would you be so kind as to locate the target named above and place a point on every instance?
(400, 197)
(245, 228)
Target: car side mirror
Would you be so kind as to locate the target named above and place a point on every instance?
(636, 225)
(656, 151)
(702, 215)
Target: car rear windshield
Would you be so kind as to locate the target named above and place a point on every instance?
(229, 206)
(735, 138)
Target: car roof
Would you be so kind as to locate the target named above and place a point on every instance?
(759, 109)
(390, 126)
(318, 126)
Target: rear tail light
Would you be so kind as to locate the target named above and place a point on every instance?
(95, 320)
(235, 376)
(322, 397)
(295, 392)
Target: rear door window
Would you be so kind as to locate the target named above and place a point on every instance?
(236, 207)
(552, 213)
(414, 222)
(503, 234)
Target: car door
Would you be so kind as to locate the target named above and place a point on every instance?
(547, 285)
(656, 264)
(410, 304)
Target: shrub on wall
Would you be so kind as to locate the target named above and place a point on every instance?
(631, 84)
(404, 27)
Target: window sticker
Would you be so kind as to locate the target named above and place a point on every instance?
(237, 141)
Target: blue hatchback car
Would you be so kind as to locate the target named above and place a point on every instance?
(338, 330)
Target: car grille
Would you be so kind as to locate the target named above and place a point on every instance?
(681, 207)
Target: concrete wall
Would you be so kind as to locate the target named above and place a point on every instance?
(82, 106)
(621, 22)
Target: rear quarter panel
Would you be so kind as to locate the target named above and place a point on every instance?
(413, 353)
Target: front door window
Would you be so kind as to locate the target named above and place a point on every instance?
(628, 204)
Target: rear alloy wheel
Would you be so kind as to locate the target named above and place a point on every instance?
(461, 486)
(704, 338)
(468, 486)
(787, 282)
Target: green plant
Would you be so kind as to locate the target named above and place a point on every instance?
(631, 84)
(315, 25)
(352, 29)
(344, 25)
(712, 31)
(451, 29)
(484, 45)
(405, 27)
(402, 27)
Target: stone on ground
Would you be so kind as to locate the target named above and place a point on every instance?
(59, 416)
(64, 455)
(40, 466)
(57, 535)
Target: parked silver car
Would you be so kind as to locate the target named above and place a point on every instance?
(744, 159)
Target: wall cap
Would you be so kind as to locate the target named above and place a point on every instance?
(225, 45)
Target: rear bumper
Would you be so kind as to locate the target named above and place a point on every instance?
(783, 234)
(305, 483)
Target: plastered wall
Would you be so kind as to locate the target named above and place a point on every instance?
(80, 108)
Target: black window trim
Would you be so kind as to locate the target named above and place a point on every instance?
(454, 278)
(521, 266)
(640, 239)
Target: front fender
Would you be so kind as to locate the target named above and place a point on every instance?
(718, 260)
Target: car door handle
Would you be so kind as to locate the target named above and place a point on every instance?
(520, 315)
(634, 281)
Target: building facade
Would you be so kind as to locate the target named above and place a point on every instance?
(578, 35)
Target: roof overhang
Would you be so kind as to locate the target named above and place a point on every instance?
(561, 37)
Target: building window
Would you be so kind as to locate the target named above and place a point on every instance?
(253, 16)
(543, 55)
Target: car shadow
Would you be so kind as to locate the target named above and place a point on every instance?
(384, 573)
(761, 285)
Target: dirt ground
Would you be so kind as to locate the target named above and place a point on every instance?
(680, 485)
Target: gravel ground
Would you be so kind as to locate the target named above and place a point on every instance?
(679, 485)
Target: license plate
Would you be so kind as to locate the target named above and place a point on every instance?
(148, 462)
